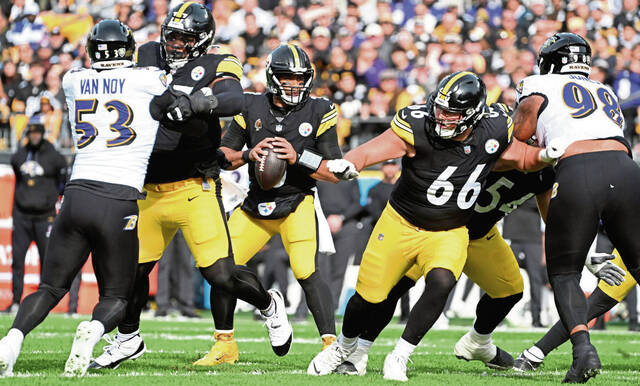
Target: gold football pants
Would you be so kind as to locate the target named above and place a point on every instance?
(191, 205)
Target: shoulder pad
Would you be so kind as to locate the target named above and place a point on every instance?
(401, 126)
(528, 86)
(229, 65)
(329, 113)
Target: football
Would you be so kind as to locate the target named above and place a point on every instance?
(269, 169)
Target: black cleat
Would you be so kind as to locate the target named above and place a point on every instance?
(502, 361)
(346, 368)
(524, 364)
(586, 364)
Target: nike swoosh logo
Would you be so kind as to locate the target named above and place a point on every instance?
(490, 237)
(315, 368)
(276, 326)
(192, 198)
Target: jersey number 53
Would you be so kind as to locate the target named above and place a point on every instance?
(87, 132)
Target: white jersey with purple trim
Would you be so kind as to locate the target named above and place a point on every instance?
(575, 108)
(112, 127)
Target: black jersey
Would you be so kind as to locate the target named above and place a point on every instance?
(438, 187)
(177, 156)
(503, 193)
(307, 125)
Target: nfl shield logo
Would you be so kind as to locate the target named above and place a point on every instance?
(278, 128)
(380, 236)
(266, 208)
(467, 149)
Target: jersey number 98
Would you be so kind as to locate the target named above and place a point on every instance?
(87, 132)
(583, 103)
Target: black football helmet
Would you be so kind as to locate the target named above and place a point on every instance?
(462, 93)
(289, 59)
(565, 53)
(110, 45)
(186, 33)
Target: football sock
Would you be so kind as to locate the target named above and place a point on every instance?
(534, 354)
(347, 342)
(97, 330)
(570, 300)
(321, 306)
(478, 338)
(491, 311)
(356, 316)
(364, 345)
(269, 311)
(15, 338)
(404, 349)
(384, 310)
(439, 282)
(35, 307)
(223, 305)
(131, 321)
(123, 337)
(109, 311)
(597, 304)
(579, 338)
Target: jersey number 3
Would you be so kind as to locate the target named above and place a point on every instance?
(87, 132)
(581, 100)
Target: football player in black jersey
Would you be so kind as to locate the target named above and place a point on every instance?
(448, 147)
(490, 264)
(183, 186)
(302, 129)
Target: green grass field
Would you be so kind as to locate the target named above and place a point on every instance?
(173, 345)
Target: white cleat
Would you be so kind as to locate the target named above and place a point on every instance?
(329, 359)
(81, 351)
(356, 364)
(395, 368)
(117, 352)
(8, 356)
(492, 356)
(278, 326)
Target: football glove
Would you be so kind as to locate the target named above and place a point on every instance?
(600, 265)
(203, 101)
(342, 169)
(180, 109)
(554, 150)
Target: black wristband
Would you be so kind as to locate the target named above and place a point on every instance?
(245, 156)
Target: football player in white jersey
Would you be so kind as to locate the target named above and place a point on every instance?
(114, 132)
(596, 179)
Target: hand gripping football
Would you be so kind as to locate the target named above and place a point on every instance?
(269, 169)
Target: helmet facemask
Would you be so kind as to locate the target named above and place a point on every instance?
(181, 46)
(292, 87)
(450, 122)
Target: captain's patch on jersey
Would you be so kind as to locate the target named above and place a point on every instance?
(491, 146)
(305, 129)
(258, 124)
(266, 208)
(197, 73)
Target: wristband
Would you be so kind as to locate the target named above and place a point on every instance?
(310, 159)
(245, 156)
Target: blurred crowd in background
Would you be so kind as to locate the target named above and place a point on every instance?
(372, 57)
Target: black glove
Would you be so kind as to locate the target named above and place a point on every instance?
(180, 109)
(203, 102)
(222, 160)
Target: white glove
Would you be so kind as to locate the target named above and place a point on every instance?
(342, 169)
(599, 265)
(554, 150)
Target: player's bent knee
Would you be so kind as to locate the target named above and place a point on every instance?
(57, 292)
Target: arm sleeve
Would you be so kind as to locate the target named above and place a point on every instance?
(234, 138)
(230, 97)
(327, 144)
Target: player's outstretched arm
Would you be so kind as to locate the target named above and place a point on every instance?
(386, 146)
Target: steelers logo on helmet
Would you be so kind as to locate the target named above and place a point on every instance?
(289, 74)
(565, 53)
(457, 105)
(186, 33)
